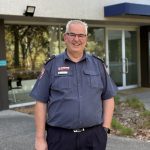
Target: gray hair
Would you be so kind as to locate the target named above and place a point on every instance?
(76, 22)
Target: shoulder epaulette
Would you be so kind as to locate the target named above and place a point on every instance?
(49, 59)
(103, 62)
(98, 58)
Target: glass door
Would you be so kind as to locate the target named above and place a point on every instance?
(131, 58)
(122, 52)
(115, 56)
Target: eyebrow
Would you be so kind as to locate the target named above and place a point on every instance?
(69, 33)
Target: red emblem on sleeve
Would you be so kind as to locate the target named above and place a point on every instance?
(42, 72)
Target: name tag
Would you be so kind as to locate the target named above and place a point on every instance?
(63, 72)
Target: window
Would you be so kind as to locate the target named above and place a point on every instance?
(96, 41)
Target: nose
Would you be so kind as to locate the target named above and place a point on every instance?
(76, 37)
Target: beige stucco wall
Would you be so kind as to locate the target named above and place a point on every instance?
(85, 9)
(77, 9)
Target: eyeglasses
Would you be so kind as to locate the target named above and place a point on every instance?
(73, 35)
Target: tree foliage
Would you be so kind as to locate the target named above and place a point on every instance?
(28, 46)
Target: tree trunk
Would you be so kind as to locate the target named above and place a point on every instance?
(16, 49)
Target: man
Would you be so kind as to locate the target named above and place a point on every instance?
(74, 96)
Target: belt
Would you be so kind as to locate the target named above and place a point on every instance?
(75, 130)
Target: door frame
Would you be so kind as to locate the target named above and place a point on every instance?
(123, 29)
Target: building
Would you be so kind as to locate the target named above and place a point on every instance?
(119, 31)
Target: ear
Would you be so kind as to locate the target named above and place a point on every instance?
(65, 37)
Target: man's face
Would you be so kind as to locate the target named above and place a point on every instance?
(76, 38)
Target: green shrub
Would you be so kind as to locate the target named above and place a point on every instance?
(135, 104)
(146, 113)
(116, 124)
(117, 100)
(126, 131)
(122, 130)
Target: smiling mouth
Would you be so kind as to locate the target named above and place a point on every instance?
(76, 44)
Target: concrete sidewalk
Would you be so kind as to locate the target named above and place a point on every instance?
(17, 133)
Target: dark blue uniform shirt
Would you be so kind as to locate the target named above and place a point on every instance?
(74, 91)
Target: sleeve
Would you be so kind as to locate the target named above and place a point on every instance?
(110, 89)
(40, 91)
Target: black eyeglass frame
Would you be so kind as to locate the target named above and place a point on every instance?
(73, 35)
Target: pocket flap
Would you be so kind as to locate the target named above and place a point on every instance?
(91, 72)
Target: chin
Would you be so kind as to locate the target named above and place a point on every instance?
(76, 49)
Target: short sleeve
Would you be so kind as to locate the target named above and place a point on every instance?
(110, 89)
(40, 91)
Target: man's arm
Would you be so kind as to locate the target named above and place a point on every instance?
(40, 119)
(108, 109)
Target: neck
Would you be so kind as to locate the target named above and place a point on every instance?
(75, 57)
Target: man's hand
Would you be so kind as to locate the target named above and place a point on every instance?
(108, 106)
(40, 144)
(40, 119)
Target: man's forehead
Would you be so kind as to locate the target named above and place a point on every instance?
(76, 28)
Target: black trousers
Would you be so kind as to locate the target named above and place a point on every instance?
(94, 138)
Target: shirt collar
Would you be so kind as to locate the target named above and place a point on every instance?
(66, 57)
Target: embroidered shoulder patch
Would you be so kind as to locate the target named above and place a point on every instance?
(42, 73)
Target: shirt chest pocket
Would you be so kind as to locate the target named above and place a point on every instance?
(94, 78)
(61, 81)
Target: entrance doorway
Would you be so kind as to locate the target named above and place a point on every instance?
(122, 55)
